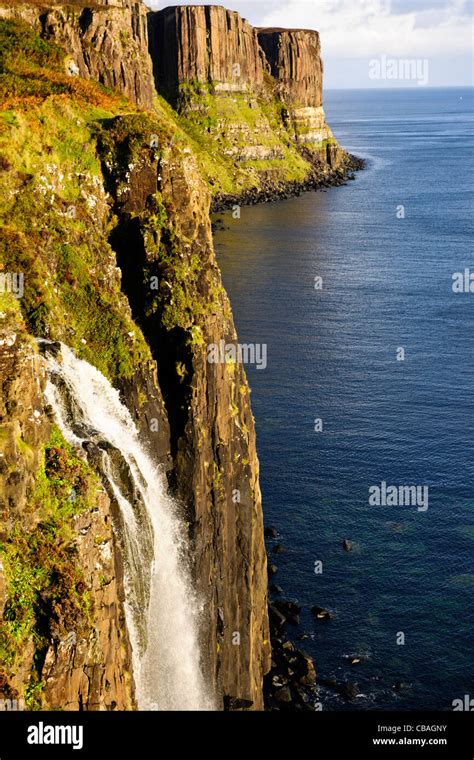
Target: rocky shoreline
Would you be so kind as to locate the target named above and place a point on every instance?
(291, 680)
(291, 683)
(318, 179)
(141, 213)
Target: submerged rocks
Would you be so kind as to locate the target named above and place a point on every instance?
(290, 683)
(277, 618)
(331, 683)
(218, 225)
(356, 659)
(270, 532)
(348, 690)
(290, 610)
(275, 589)
(401, 686)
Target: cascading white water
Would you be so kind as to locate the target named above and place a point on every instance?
(162, 610)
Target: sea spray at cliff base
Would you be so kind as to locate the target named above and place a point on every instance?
(162, 610)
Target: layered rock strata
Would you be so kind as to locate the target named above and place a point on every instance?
(294, 57)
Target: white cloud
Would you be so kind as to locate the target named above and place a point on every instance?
(367, 28)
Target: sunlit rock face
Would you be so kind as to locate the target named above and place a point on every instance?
(294, 57)
(107, 42)
(205, 44)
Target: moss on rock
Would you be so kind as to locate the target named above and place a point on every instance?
(46, 596)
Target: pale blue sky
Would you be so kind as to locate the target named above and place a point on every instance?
(355, 32)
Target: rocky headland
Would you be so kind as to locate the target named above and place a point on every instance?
(121, 129)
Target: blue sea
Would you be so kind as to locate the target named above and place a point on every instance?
(403, 598)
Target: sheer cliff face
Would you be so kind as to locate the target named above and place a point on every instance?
(63, 640)
(139, 182)
(212, 436)
(205, 44)
(294, 56)
(217, 467)
(107, 42)
(256, 94)
(142, 210)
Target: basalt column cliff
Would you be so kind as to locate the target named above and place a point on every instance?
(294, 56)
(249, 99)
(206, 45)
(119, 128)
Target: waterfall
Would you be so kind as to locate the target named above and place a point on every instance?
(162, 611)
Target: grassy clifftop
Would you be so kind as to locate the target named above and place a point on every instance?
(53, 208)
(89, 182)
(55, 225)
(239, 139)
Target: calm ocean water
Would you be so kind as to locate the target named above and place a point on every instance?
(332, 354)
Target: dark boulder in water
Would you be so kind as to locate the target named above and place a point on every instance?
(346, 545)
(271, 532)
(277, 618)
(289, 609)
(291, 669)
(356, 659)
(320, 613)
(331, 683)
(348, 690)
(278, 549)
(283, 694)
